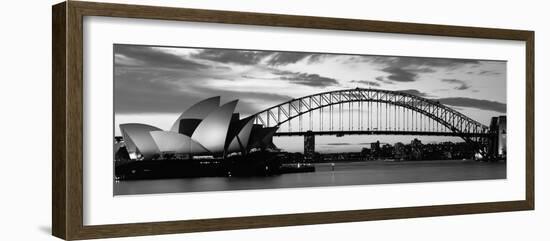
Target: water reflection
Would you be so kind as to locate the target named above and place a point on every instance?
(354, 173)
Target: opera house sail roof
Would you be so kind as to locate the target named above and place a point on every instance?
(205, 128)
(197, 112)
(138, 139)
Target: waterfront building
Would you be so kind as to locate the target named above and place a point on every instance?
(309, 146)
(375, 149)
(497, 144)
(416, 149)
(399, 151)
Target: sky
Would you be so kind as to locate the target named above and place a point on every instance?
(153, 85)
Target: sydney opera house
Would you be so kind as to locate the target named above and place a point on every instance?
(206, 129)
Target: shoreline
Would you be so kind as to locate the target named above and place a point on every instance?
(404, 162)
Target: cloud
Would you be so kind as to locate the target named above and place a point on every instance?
(249, 57)
(149, 80)
(405, 62)
(231, 56)
(168, 91)
(488, 72)
(316, 58)
(384, 80)
(463, 101)
(284, 58)
(338, 144)
(462, 85)
(414, 92)
(313, 80)
(145, 56)
(408, 69)
(474, 103)
(366, 82)
(408, 74)
(399, 74)
(413, 62)
(138, 91)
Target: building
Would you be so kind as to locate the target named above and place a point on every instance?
(375, 149)
(204, 129)
(497, 144)
(309, 146)
(399, 151)
(416, 149)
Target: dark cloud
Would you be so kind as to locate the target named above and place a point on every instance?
(405, 62)
(421, 70)
(399, 74)
(488, 72)
(414, 92)
(408, 74)
(231, 56)
(246, 76)
(150, 57)
(474, 103)
(338, 144)
(407, 69)
(316, 58)
(248, 57)
(462, 85)
(413, 62)
(463, 101)
(313, 80)
(284, 58)
(366, 82)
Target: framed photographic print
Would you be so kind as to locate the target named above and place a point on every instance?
(171, 120)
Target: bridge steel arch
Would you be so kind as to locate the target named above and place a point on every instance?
(462, 126)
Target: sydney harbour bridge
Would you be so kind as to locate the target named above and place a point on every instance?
(362, 111)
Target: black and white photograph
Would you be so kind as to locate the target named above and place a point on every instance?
(275, 120)
(197, 119)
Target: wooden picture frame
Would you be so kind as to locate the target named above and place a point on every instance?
(67, 123)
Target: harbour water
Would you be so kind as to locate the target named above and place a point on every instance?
(327, 174)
